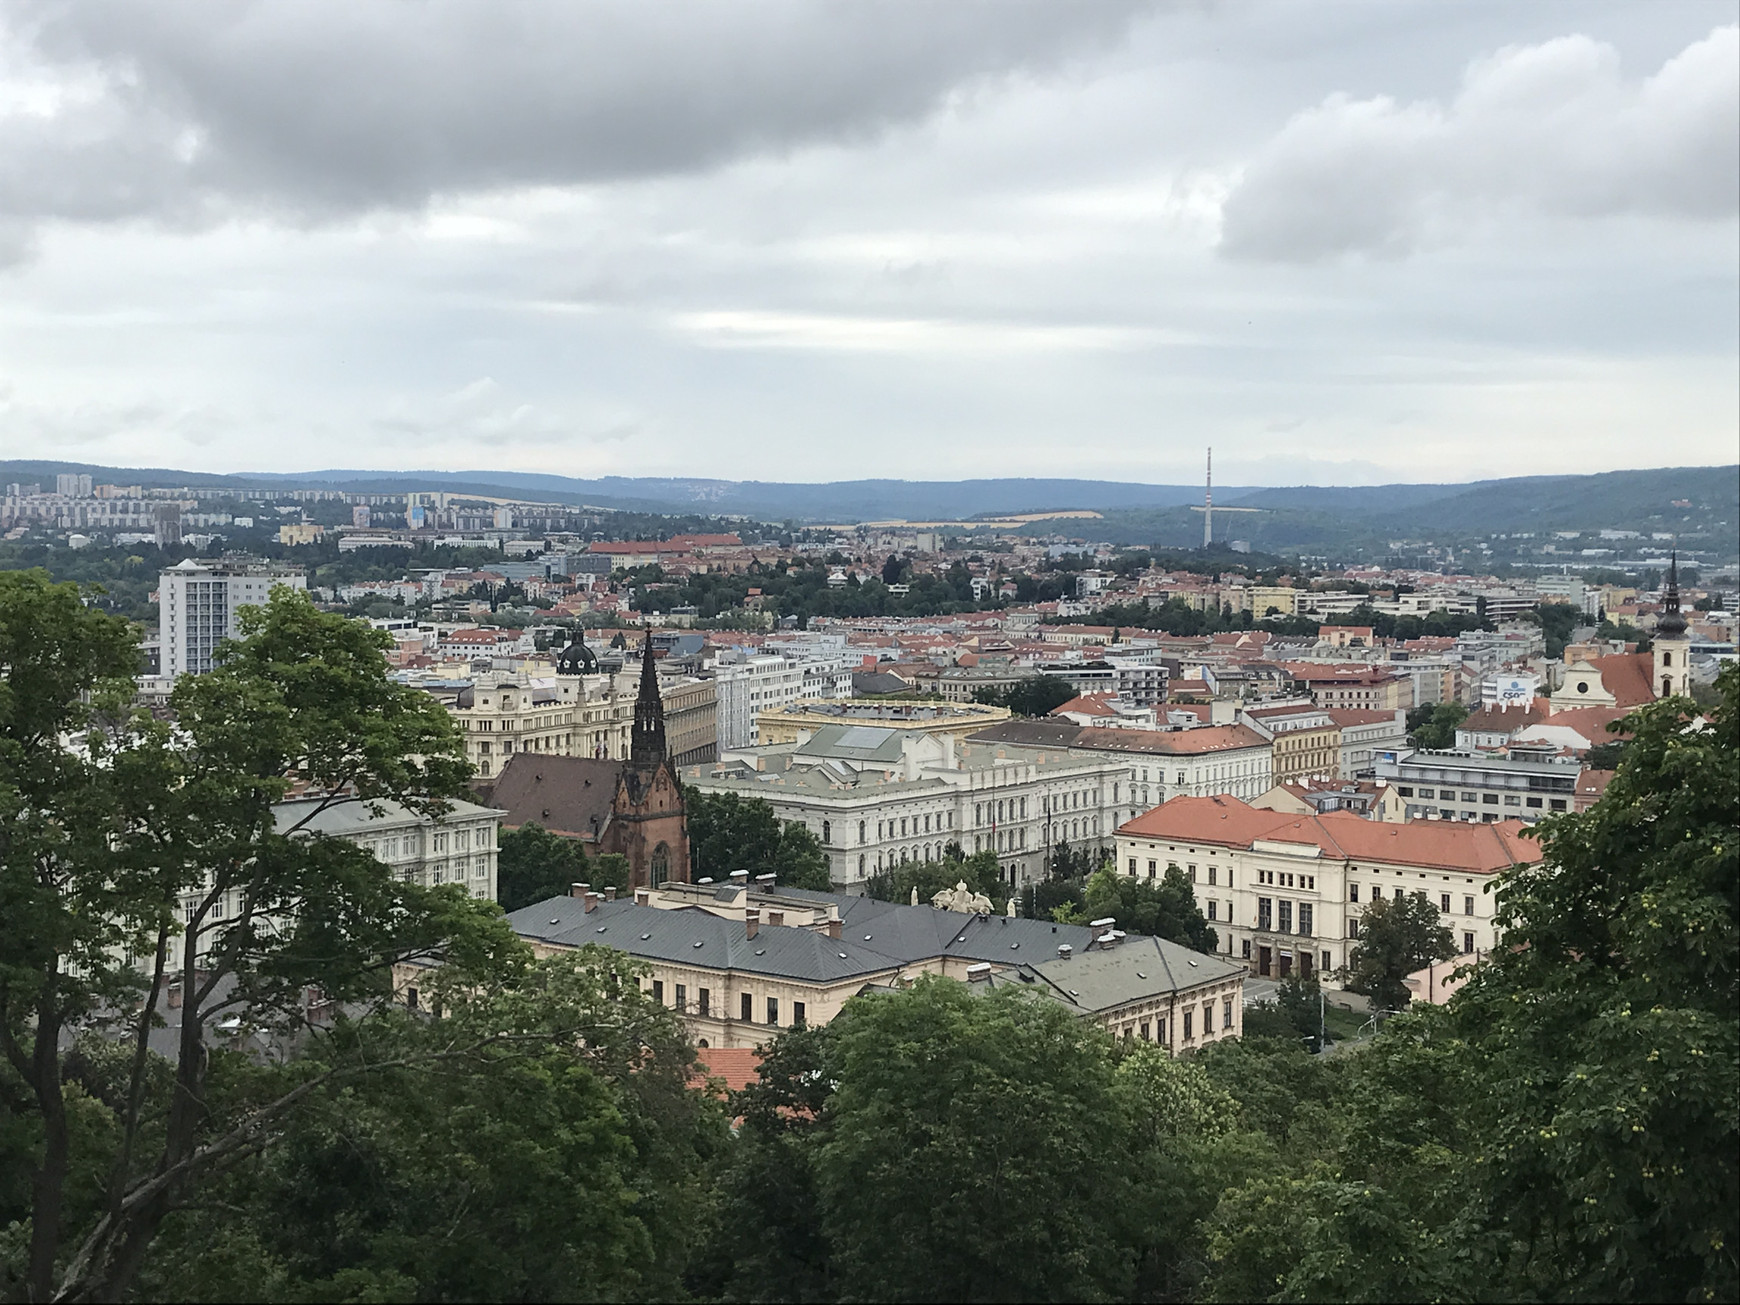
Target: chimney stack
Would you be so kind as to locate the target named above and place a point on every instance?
(610, 892)
(980, 971)
(591, 901)
(751, 922)
(643, 897)
(578, 890)
(765, 882)
(776, 918)
(833, 928)
(1063, 951)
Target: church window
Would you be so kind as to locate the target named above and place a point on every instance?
(1667, 659)
(661, 864)
(827, 831)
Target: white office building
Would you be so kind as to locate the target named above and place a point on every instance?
(749, 687)
(199, 602)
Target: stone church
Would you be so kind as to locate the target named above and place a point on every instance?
(633, 807)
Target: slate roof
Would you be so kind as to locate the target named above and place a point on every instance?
(876, 937)
(691, 936)
(1137, 969)
(566, 795)
(349, 818)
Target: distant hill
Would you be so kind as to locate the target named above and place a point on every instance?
(1293, 518)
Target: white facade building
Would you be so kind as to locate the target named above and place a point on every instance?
(747, 688)
(199, 602)
(878, 797)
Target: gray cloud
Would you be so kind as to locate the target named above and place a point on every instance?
(328, 107)
(1554, 128)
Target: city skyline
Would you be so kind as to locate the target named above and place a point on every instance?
(1344, 243)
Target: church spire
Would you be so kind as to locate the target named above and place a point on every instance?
(647, 743)
(1672, 623)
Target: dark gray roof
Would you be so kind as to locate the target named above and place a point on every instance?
(1136, 969)
(689, 935)
(874, 936)
(1030, 733)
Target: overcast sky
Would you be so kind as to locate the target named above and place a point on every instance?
(1342, 242)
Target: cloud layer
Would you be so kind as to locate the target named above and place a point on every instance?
(1554, 127)
(327, 107)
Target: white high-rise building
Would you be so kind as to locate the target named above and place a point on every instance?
(198, 603)
(750, 687)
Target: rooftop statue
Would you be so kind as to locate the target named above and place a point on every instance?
(960, 898)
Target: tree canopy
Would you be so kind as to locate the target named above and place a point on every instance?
(729, 832)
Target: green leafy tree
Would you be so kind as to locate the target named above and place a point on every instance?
(728, 832)
(533, 864)
(980, 873)
(1397, 936)
(474, 1165)
(1608, 1150)
(1434, 727)
(1164, 910)
(1034, 695)
(944, 1103)
(152, 855)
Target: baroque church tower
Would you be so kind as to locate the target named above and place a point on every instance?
(1672, 646)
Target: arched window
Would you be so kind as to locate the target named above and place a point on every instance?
(661, 864)
(863, 828)
(827, 832)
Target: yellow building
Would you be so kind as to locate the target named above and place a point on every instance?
(740, 962)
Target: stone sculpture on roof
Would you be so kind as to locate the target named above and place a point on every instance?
(961, 898)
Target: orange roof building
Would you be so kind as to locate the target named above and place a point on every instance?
(1285, 890)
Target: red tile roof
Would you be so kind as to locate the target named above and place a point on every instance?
(1341, 835)
(738, 1067)
(1627, 677)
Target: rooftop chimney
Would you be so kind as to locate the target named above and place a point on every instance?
(765, 882)
(1063, 951)
(980, 971)
(591, 900)
(776, 917)
(833, 928)
(578, 890)
(751, 922)
(643, 896)
(740, 878)
(610, 892)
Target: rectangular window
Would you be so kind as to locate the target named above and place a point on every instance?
(1555, 804)
(1491, 799)
(1444, 903)
(1226, 1013)
(1512, 800)
(1448, 794)
(1304, 919)
(1286, 916)
(1534, 802)
(1133, 866)
(1246, 949)
(702, 996)
(682, 998)
(748, 1008)
(1145, 1028)
(1468, 906)
(1160, 1031)
(1405, 790)
(1188, 1033)
(1213, 908)
(1353, 926)
(659, 991)
(773, 1010)
(1467, 943)
(797, 1012)
(1353, 892)
(1265, 907)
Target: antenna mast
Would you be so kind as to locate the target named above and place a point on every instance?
(1208, 502)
